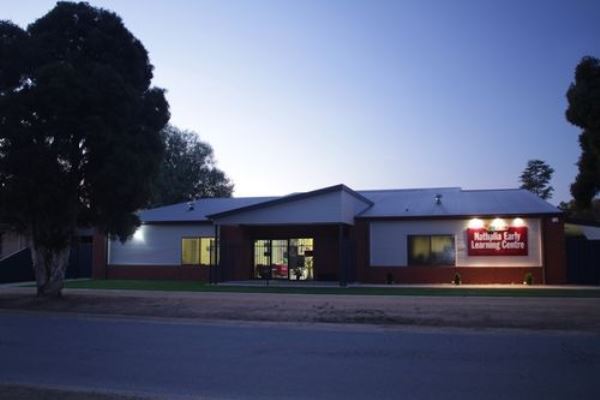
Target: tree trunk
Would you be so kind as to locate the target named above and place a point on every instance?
(49, 266)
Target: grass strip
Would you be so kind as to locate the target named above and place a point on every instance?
(192, 286)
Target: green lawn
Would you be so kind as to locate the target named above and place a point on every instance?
(190, 286)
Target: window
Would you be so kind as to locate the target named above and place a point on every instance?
(197, 251)
(431, 250)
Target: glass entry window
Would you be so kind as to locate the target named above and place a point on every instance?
(290, 259)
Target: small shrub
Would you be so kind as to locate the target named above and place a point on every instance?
(528, 280)
(457, 279)
(389, 278)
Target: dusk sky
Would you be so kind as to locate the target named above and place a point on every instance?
(297, 95)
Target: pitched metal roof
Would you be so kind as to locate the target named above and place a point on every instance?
(182, 212)
(294, 197)
(453, 201)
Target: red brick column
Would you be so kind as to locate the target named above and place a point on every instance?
(99, 255)
(361, 238)
(554, 250)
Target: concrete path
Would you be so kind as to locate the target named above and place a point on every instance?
(270, 361)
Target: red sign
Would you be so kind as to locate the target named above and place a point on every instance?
(509, 242)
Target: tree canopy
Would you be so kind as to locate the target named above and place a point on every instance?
(188, 170)
(536, 178)
(80, 126)
(583, 111)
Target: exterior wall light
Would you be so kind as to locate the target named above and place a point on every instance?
(518, 222)
(138, 235)
(498, 224)
(475, 223)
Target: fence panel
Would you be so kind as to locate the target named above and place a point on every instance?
(583, 261)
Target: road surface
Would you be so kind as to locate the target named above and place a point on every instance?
(176, 358)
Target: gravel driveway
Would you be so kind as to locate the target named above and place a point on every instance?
(569, 314)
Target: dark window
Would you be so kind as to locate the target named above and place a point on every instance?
(431, 250)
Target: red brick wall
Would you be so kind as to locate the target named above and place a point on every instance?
(469, 275)
(99, 254)
(159, 272)
(360, 235)
(235, 253)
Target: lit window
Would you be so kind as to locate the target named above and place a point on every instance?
(190, 254)
(431, 250)
(206, 251)
(197, 251)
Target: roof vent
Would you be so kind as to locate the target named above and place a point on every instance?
(190, 205)
(438, 199)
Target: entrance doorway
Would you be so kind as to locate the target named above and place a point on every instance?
(289, 259)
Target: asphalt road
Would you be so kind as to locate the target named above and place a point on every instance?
(233, 360)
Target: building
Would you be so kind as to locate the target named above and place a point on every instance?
(338, 234)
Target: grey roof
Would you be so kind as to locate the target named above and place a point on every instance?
(386, 203)
(181, 212)
(454, 202)
(294, 197)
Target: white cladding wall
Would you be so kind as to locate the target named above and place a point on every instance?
(388, 243)
(156, 244)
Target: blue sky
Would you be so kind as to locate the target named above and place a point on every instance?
(296, 95)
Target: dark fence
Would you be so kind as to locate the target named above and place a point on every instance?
(583, 261)
(18, 267)
(80, 261)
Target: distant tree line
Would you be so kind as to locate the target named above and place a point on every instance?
(187, 171)
(536, 178)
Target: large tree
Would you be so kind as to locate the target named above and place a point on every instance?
(79, 131)
(584, 111)
(188, 170)
(536, 178)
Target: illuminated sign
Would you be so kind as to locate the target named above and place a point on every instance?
(507, 241)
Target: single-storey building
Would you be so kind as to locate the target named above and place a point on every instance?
(339, 234)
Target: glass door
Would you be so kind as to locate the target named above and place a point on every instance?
(301, 259)
(290, 259)
(279, 259)
(262, 259)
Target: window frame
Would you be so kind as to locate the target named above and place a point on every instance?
(429, 263)
(199, 238)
